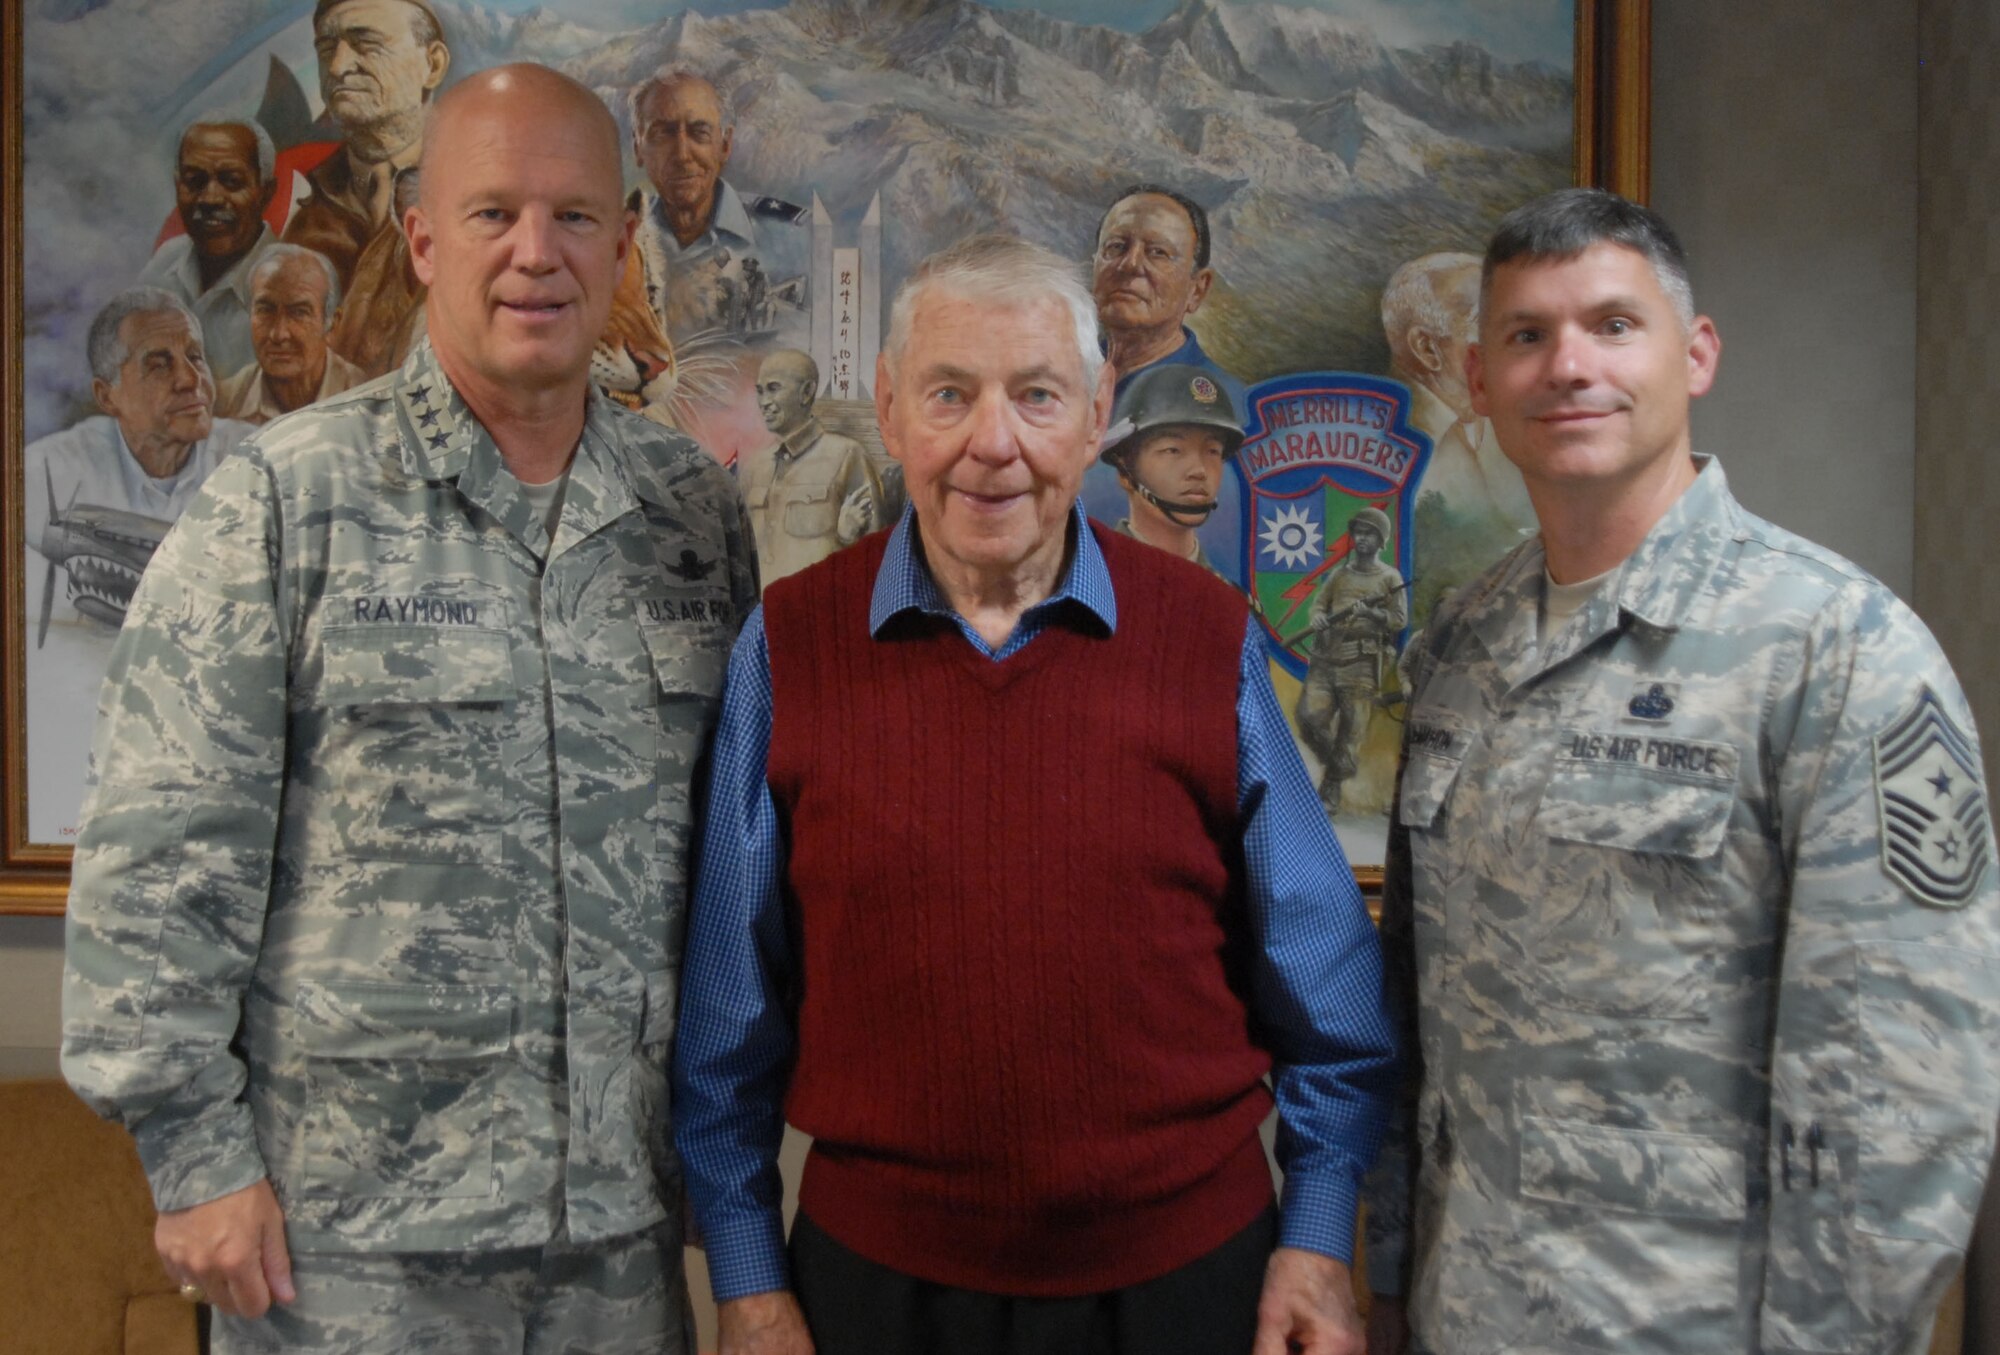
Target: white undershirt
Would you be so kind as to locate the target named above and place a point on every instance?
(1561, 601)
(547, 500)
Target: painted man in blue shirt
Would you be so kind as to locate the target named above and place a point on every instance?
(1148, 274)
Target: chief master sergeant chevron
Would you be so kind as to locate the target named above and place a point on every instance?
(374, 935)
(1690, 891)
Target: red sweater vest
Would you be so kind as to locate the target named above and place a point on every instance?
(1016, 890)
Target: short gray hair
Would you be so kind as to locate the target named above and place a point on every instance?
(267, 154)
(279, 254)
(671, 75)
(1007, 270)
(1414, 300)
(1559, 226)
(106, 345)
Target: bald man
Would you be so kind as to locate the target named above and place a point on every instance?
(813, 492)
(375, 931)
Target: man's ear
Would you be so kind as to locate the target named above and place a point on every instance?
(1423, 346)
(437, 60)
(1704, 356)
(1204, 278)
(1101, 402)
(885, 401)
(1475, 379)
(417, 229)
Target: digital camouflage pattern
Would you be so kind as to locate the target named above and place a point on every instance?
(1700, 1073)
(390, 827)
(622, 1296)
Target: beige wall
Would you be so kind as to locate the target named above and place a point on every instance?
(30, 983)
(1784, 152)
(1958, 416)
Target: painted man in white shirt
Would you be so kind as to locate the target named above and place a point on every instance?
(100, 496)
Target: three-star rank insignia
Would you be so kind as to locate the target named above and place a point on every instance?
(1932, 804)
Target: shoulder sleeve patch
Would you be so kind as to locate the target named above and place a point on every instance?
(1932, 803)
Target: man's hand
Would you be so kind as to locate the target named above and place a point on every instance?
(857, 515)
(763, 1324)
(233, 1247)
(1388, 1325)
(1307, 1307)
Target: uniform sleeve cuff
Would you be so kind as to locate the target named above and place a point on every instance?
(192, 1161)
(1319, 1214)
(746, 1256)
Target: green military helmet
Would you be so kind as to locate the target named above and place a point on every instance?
(1171, 394)
(1373, 518)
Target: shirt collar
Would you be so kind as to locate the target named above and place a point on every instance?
(802, 440)
(729, 223)
(903, 583)
(1662, 578)
(236, 281)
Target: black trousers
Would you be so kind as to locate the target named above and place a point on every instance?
(855, 1307)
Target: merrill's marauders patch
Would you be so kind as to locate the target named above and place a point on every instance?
(1318, 447)
(1932, 806)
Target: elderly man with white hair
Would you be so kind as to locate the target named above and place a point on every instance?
(100, 494)
(1020, 955)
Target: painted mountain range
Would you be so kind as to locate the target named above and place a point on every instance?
(1325, 157)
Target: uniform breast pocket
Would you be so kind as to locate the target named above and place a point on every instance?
(1632, 829)
(417, 721)
(1425, 788)
(813, 512)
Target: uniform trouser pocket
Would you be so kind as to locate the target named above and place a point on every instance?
(401, 1082)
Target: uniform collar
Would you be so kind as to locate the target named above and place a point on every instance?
(1189, 354)
(903, 582)
(442, 441)
(806, 437)
(1656, 585)
(1661, 580)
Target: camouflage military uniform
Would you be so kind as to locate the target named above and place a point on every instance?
(1708, 1055)
(379, 890)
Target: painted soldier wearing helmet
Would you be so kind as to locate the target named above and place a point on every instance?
(1356, 615)
(1172, 429)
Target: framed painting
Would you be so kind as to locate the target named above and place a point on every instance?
(228, 174)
